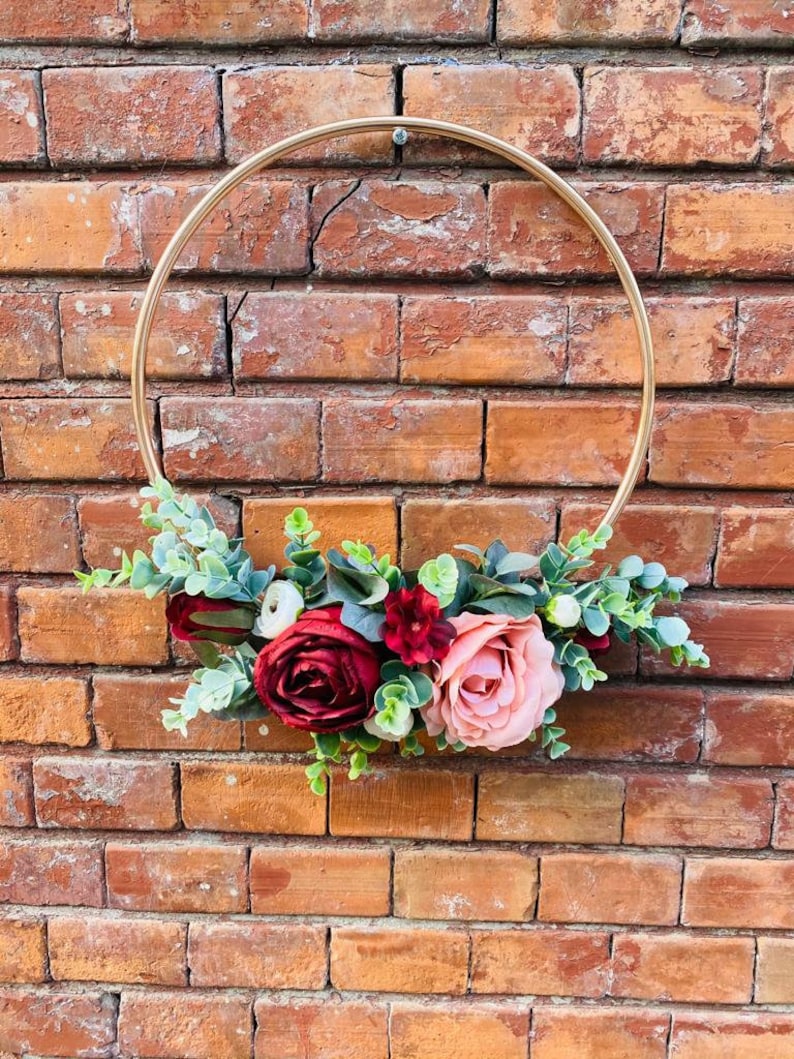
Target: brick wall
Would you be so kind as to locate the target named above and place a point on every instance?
(189, 898)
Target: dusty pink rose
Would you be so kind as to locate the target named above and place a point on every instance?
(495, 684)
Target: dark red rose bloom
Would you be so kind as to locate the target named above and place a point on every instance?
(184, 626)
(318, 675)
(595, 645)
(414, 628)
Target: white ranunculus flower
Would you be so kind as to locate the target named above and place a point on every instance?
(563, 611)
(281, 607)
(375, 729)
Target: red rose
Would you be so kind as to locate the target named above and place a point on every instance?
(595, 645)
(414, 628)
(318, 675)
(190, 619)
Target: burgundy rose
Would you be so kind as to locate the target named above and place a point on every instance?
(595, 645)
(414, 628)
(190, 618)
(318, 675)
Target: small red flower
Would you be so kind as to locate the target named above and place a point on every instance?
(595, 645)
(414, 629)
(181, 615)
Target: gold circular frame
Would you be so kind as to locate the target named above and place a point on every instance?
(269, 155)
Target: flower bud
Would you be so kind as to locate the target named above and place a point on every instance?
(403, 727)
(282, 605)
(563, 611)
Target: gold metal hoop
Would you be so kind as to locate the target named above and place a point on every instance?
(269, 155)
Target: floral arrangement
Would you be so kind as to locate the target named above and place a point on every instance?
(475, 649)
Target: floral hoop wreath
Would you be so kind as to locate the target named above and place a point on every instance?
(473, 648)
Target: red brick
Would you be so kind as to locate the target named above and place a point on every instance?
(299, 97)
(591, 22)
(16, 783)
(61, 625)
(432, 526)
(690, 115)
(540, 962)
(23, 950)
(764, 353)
(64, 720)
(373, 518)
(145, 951)
(749, 728)
(738, 892)
(610, 888)
(744, 638)
(177, 878)
(401, 440)
(177, 1025)
(83, 21)
(58, 1024)
(700, 809)
(320, 881)
(681, 967)
(38, 533)
(79, 227)
(467, 1031)
(105, 793)
(403, 803)
(110, 523)
(389, 20)
(188, 340)
(682, 538)
(737, 229)
(292, 1028)
(693, 341)
(729, 1036)
(572, 442)
(559, 1033)
(149, 114)
(633, 724)
(258, 955)
(383, 228)
(207, 438)
(521, 807)
(56, 872)
(80, 439)
(779, 132)
(29, 346)
(731, 445)
(262, 227)
(756, 548)
(260, 798)
(21, 139)
(126, 713)
(399, 960)
(533, 108)
(9, 642)
(765, 22)
(533, 232)
(465, 884)
(775, 974)
(230, 22)
(316, 336)
(512, 339)
(784, 816)
(271, 734)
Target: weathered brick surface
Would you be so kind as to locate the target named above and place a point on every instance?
(689, 115)
(299, 97)
(153, 114)
(424, 347)
(633, 22)
(536, 109)
(316, 336)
